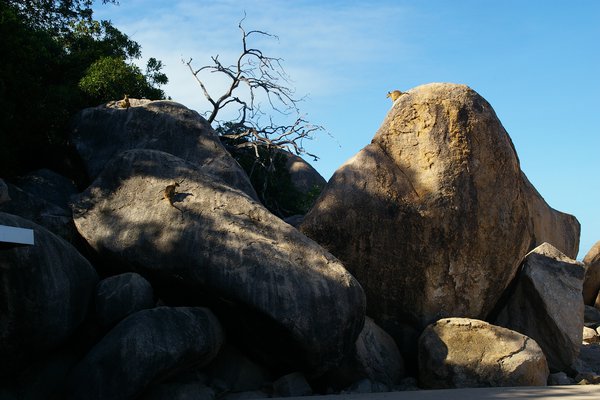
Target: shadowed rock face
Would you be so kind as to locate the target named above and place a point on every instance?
(591, 284)
(282, 292)
(46, 291)
(146, 346)
(432, 217)
(546, 304)
(100, 133)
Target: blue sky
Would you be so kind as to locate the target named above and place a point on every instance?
(537, 62)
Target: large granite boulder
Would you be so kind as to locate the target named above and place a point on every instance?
(591, 284)
(545, 303)
(462, 352)
(272, 285)
(46, 292)
(432, 217)
(100, 133)
(146, 346)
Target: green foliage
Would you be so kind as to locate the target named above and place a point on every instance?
(111, 78)
(54, 58)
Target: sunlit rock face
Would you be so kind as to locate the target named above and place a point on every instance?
(462, 352)
(275, 290)
(434, 215)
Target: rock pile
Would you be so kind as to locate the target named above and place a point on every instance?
(431, 231)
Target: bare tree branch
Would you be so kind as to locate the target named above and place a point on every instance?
(256, 136)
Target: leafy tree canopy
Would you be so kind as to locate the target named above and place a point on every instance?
(56, 60)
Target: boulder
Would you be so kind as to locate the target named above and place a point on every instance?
(545, 303)
(432, 217)
(121, 295)
(304, 177)
(4, 196)
(591, 284)
(48, 185)
(145, 347)
(548, 225)
(269, 284)
(590, 335)
(462, 352)
(35, 208)
(591, 316)
(233, 372)
(47, 288)
(559, 378)
(292, 385)
(376, 358)
(178, 391)
(100, 133)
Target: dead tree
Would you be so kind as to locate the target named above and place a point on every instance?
(262, 76)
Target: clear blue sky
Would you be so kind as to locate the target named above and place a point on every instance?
(537, 62)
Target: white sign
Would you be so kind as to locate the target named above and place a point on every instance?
(11, 234)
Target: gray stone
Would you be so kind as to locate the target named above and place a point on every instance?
(56, 219)
(588, 360)
(591, 316)
(268, 283)
(101, 133)
(559, 378)
(179, 391)
(590, 335)
(4, 196)
(376, 358)
(461, 352)
(121, 295)
(48, 185)
(304, 177)
(591, 285)
(255, 394)
(545, 304)
(144, 347)
(47, 288)
(291, 385)
(378, 355)
(236, 372)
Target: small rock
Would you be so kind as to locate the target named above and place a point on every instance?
(590, 335)
(591, 285)
(256, 394)
(362, 386)
(232, 371)
(292, 385)
(559, 378)
(407, 384)
(4, 196)
(121, 295)
(591, 316)
(178, 391)
(588, 378)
